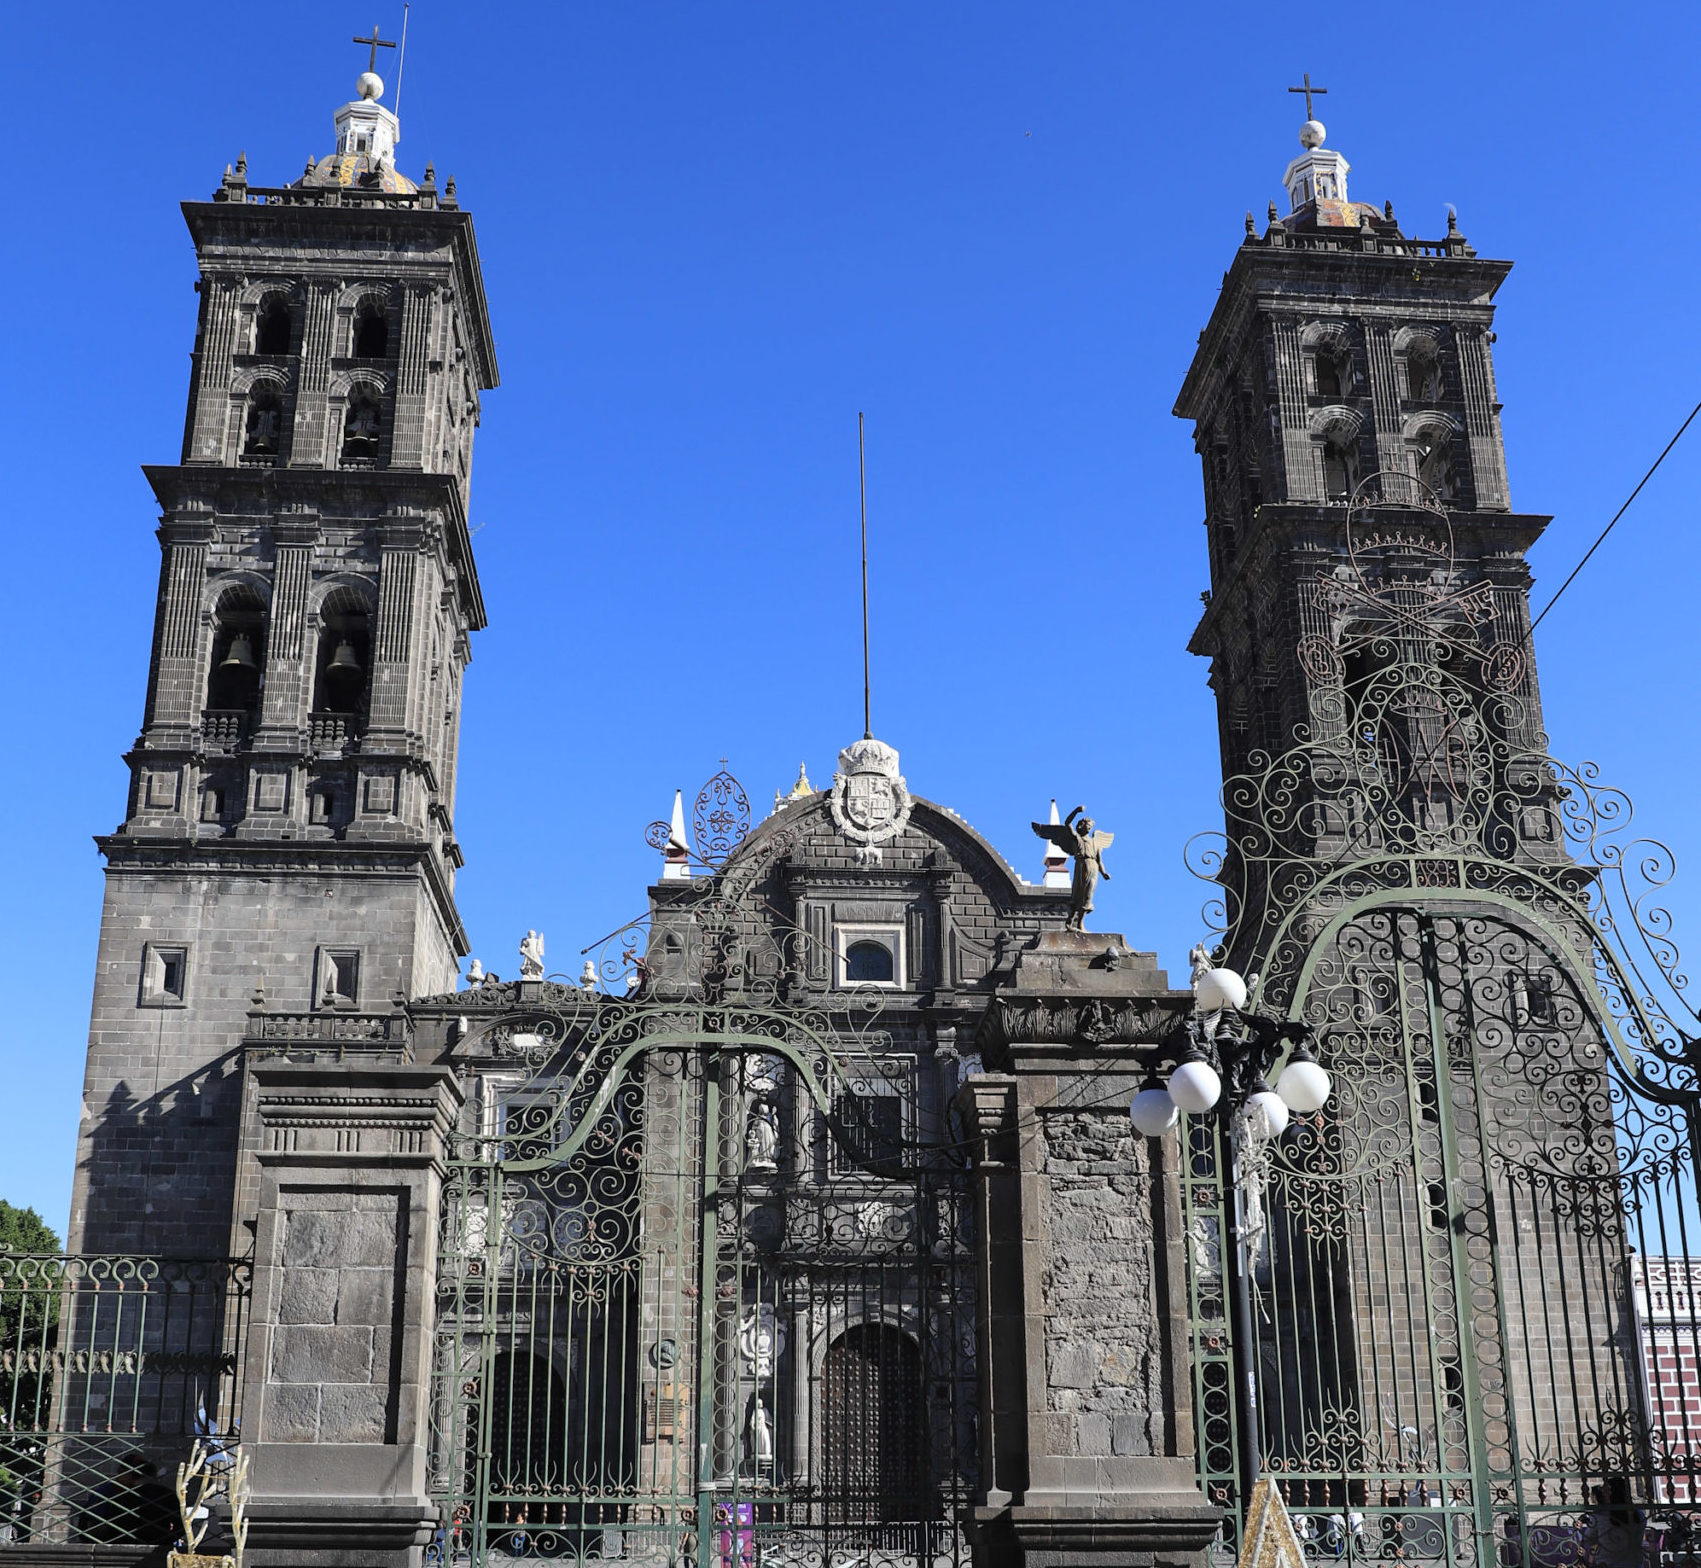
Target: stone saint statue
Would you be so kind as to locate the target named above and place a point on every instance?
(531, 956)
(759, 1439)
(1077, 838)
(761, 1138)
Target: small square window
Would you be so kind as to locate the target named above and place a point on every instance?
(337, 982)
(869, 955)
(870, 1120)
(165, 975)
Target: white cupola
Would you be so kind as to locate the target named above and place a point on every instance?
(365, 127)
(1317, 174)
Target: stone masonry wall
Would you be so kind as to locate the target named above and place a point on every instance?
(1104, 1377)
(331, 1376)
(156, 1154)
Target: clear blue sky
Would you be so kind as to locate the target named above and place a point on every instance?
(710, 235)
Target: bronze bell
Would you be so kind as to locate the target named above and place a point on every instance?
(241, 654)
(343, 661)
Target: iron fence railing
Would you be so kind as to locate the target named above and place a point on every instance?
(110, 1368)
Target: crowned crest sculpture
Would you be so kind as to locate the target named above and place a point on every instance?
(870, 801)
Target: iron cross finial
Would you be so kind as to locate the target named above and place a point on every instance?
(375, 43)
(1308, 89)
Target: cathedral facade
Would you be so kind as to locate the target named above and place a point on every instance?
(807, 1224)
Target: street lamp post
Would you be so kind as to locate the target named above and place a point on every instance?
(1223, 1058)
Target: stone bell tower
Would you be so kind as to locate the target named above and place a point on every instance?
(290, 824)
(1345, 415)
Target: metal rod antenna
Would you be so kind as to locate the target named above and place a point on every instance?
(401, 61)
(862, 475)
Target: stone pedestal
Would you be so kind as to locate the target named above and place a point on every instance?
(1087, 1444)
(348, 1164)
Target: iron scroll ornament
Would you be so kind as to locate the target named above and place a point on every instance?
(720, 822)
(1421, 773)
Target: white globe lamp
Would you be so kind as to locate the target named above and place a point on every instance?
(1266, 1105)
(1216, 989)
(1195, 1086)
(1304, 1085)
(1153, 1112)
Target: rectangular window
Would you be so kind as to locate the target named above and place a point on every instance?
(337, 983)
(165, 975)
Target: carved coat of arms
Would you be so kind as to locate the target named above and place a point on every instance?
(870, 801)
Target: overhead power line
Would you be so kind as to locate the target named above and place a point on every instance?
(1615, 517)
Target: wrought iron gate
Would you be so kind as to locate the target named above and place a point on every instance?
(1473, 1275)
(704, 1296)
(1452, 1359)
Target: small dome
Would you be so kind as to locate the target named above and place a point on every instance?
(357, 171)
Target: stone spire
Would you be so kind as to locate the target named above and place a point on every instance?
(676, 858)
(1056, 862)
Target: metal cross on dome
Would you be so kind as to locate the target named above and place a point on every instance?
(1308, 89)
(375, 43)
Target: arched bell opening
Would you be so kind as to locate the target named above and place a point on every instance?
(371, 335)
(363, 425)
(262, 425)
(343, 662)
(234, 676)
(272, 325)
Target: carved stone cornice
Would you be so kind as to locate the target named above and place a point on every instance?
(1061, 1026)
(376, 497)
(319, 1113)
(128, 853)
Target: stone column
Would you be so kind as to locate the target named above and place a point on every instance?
(1482, 419)
(1087, 1446)
(1302, 478)
(348, 1163)
(174, 698)
(290, 643)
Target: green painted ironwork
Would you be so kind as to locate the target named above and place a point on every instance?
(704, 1287)
(1473, 1272)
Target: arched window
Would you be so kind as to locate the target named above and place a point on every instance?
(371, 331)
(271, 325)
(1423, 372)
(361, 422)
(1340, 465)
(344, 656)
(874, 1462)
(239, 655)
(868, 962)
(262, 425)
(1435, 462)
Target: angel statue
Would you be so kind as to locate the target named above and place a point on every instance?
(531, 956)
(1079, 840)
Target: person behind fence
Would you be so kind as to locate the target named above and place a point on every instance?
(131, 1505)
